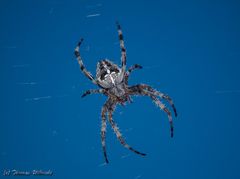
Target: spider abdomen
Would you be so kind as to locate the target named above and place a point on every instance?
(108, 74)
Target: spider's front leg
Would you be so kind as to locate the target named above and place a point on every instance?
(93, 91)
(123, 50)
(82, 67)
(146, 90)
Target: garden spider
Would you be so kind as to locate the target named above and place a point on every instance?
(113, 82)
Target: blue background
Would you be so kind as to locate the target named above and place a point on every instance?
(189, 50)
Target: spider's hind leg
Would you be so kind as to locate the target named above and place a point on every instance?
(103, 131)
(166, 110)
(143, 90)
(161, 95)
(164, 96)
(119, 135)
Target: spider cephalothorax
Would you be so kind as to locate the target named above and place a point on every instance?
(113, 82)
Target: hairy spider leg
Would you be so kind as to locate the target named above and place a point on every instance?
(167, 98)
(82, 67)
(140, 90)
(93, 91)
(118, 133)
(161, 95)
(103, 131)
(123, 49)
(166, 110)
(134, 67)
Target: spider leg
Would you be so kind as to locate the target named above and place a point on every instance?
(136, 66)
(93, 91)
(170, 101)
(123, 49)
(166, 110)
(161, 95)
(103, 131)
(140, 90)
(118, 133)
(82, 67)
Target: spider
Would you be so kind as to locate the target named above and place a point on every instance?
(113, 82)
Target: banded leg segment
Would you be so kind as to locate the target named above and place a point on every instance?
(140, 90)
(118, 133)
(123, 49)
(164, 96)
(166, 110)
(103, 131)
(134, 67)
(160, 94)
(93, 91)
(82, 67)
